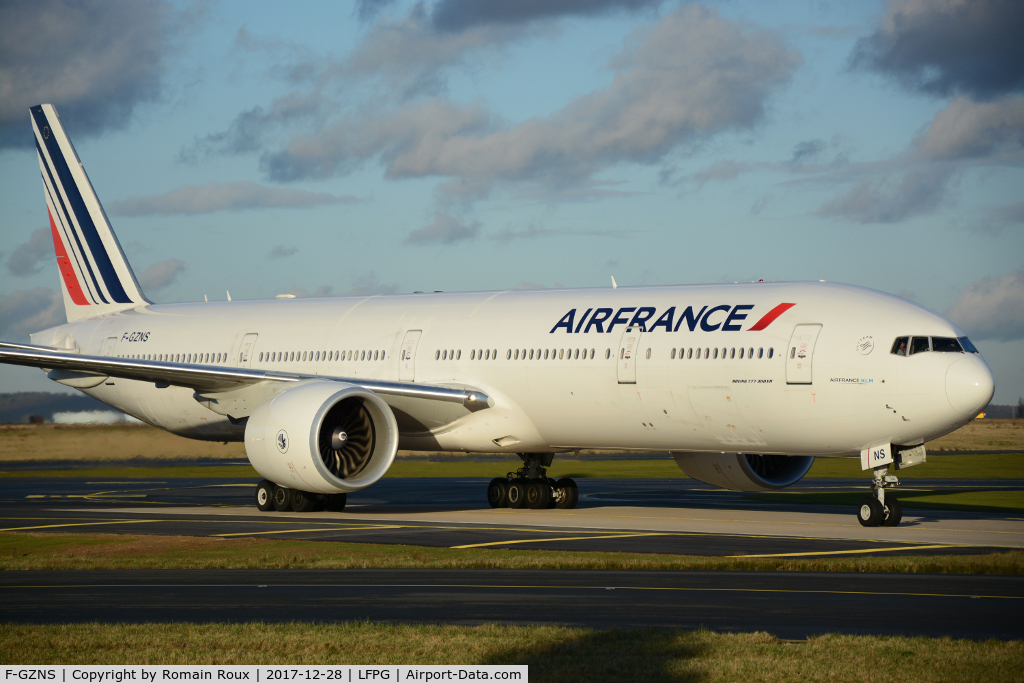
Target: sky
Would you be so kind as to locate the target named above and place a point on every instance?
(382, 146)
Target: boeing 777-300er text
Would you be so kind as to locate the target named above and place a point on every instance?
(744, 384)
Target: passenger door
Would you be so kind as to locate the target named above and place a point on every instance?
(407, 356)
(629, 346)
(801, 353)
(246, 350)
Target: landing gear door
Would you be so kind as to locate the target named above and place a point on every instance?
(245, 351)
(407, 357)
(800, 353)
(629, 345)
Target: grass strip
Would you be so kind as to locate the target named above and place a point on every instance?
(240, 471)
(46, 551)
(971, 466)
(965, 501)
(553, 653)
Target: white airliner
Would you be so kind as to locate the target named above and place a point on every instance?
(744, 384)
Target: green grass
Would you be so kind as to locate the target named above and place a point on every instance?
(552, 653)
(987, 466)
(58, 551)
(240, 471)
(968, 501)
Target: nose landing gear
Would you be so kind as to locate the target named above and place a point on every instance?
(530, 486)
(879, 509)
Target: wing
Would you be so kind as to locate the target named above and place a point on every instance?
(210, 379)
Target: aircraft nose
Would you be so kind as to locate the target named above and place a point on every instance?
(969, 385)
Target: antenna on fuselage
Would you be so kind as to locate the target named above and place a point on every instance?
(229, 294)
(614, 284)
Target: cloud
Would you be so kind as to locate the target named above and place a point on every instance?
(281, 251)
(233, 196)
(368, 10)
(30, 310)
(533, 232)
(991, 308)
(894, 196)
(967, 129)
(720, 170)
(687, 78)
(458, 15)
(26, 258)
(368, 283)
(944, 47)
(446, 229)
(159, 275)
(807, 151)
(96, 59)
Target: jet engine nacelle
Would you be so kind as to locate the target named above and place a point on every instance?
(322, 437)
(744, 472)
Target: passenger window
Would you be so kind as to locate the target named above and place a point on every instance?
(771, 352)
(531, 354)
(899, 347)
(673, 355)
(487, 354)
(517, 354)
(732, 353)
(508, 356)
(648, 354)
(760, 352)
(741, 353)
(607, 354)
(472, 354)
(715, 354)
(919, 345)
(458, 354)
(946, 345)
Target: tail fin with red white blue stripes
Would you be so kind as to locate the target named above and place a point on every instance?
(94, 273)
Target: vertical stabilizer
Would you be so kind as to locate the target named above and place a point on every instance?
(94, 274)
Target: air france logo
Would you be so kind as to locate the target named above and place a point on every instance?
(282, 441)
(725, 317)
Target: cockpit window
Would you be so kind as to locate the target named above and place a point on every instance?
(968, 346)
(918, 345)
(947, 344)
(899, 347)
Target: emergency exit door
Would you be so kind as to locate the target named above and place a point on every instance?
(800, 354)
(407, 356)
(629, 345)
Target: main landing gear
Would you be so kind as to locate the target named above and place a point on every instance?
(879, 509)
(530, 486)
(270, 496)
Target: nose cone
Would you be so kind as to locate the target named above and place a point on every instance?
(969, 385)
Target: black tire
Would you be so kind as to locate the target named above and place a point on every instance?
(302, 501)
(335, 502)
(282, 499)
(538, 494)
(265, 496)
(893, 512)
(517, 494)
(570, 495)
(870, 512)
(497, 492)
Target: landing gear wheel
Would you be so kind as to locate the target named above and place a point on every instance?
(569, 494)
(893, 512)
(282, 499)
(517, 494)
(302, 501)
(265, 496)
(870, 512)
(497, 492)
(335, 502)
(538, 494)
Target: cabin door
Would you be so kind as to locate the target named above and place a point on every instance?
(801, 353)
(246, 350)
(629, 346)
(108, 346)
(407, 357)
